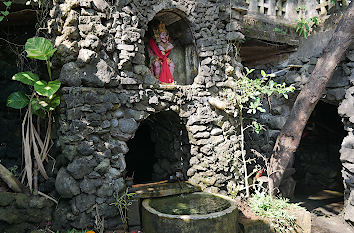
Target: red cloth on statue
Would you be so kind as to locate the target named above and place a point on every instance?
(165, 74)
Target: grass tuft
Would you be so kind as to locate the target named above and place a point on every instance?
(277, 211)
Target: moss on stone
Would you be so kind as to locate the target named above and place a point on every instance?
(6, 198)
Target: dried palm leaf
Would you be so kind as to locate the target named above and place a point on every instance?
(35, 150)
(27, 149)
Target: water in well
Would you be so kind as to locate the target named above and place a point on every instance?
(190, 204)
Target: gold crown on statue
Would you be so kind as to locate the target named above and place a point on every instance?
(160, 28)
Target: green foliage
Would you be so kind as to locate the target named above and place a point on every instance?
(39, 48)
(284, 32)
(17, 100)
(77, 231)
(27, 78)
(7, 4)
(44, 98)
(6, 11)
(13, 170)
(47, 89)
(304, 25)
(122, 203)
(247, 92)
(257, 127)
(276, 210)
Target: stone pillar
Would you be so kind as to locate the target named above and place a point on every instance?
(290, 12)
(345, 110)
(272, 8)
(311, 6)
(253, 7)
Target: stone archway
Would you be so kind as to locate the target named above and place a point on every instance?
(159, 148)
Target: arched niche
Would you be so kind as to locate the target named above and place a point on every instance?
(159, 148)
(184, 54)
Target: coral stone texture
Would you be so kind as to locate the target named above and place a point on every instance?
(109, 94)
(108, 91)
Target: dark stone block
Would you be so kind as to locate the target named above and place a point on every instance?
(6, 198)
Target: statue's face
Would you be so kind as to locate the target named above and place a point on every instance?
(164, 37)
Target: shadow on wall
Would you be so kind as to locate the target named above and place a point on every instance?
(183, 55)
(159, 148)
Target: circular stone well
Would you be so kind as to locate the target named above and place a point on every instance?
(190, 213)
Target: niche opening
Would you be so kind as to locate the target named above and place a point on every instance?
(184, 53)
(256, 52)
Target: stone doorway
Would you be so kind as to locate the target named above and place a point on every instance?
(317, 162)
(159, 148)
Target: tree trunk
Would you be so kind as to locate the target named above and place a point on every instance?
(290, 135)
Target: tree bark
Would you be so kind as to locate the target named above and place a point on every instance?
(290, 135)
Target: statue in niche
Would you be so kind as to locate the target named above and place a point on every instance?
(161, 66)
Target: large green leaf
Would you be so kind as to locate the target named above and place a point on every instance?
(39, 48)
(5, 13)
(7, 4)
(47, 89)
(54, 103)
(35, 105)
(37, 108)
(17, 100)
(263, 73)
(27, 77)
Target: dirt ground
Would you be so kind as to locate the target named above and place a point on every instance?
(326, 209)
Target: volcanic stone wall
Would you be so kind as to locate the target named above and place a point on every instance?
(339, 92)
(21, 213)
(346, 110)
(108, 91)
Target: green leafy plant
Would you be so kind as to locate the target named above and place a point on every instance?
(284, 32)
(77, 231)
(13, 170)
(43, 100)
(122, 202)
(246, 94)
(303, 26)
(278, 211)
(6, 11)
